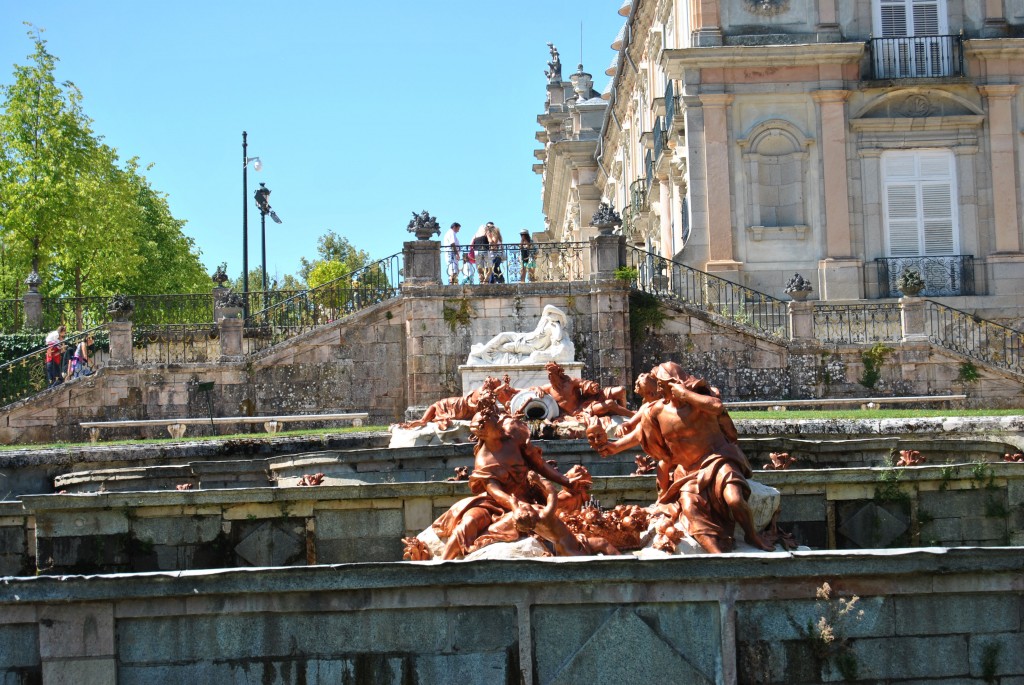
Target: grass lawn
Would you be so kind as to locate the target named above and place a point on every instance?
(202, 438)
(741, 415)
(870, 413)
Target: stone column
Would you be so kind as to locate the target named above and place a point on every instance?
(607, 253)
(801, 321)
(995, 20)
(609, 332)
(665, 204)
(120, 343)
(426, 333)
(76, 644)
(33, 302)
(707, 23)
(827, 28)
(422, 263)
(721, 259)
(912, 319)
(1001, 137)
(230, 339)
(840, 270)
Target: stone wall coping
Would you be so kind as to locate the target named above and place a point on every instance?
(454, 489)
(296, 445)
(747, 574)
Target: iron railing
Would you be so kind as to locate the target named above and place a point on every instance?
(186, 343)
(716, 296)
(638, 200)
(648, 170)
(26, 375)
(77, 313)
(943, 275)
(329, 302)
(659, 139)
(994, 344)
(516, 263)
(857, 323)
(670, 105)
(916, 57)
(12, 316)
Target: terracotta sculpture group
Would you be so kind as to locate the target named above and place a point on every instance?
(682, 425)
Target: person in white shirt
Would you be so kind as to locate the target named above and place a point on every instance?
(450, 247)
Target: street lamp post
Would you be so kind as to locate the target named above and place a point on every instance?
(257, 165)
(262, 196)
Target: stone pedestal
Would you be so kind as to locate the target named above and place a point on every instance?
(33, 311)
(230, 339)
(422, 263)
(801, 321)
(607, 253)
(912, 319)
(521, 376)
(120, 342)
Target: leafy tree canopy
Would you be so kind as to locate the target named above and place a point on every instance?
(69, 208)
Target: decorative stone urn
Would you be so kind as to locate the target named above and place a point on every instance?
(606, 219)
(798, 288)
(121, 308)
(910, 282)
(423, 225)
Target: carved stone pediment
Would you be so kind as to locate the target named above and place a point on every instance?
(918, 103)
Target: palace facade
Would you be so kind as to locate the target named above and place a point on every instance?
(847, 141)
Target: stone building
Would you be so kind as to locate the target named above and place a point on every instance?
(845, 140)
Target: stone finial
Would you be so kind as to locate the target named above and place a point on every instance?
(423, 225)
(33, 281)
(554, 71)
(582, 83)
(219, 276)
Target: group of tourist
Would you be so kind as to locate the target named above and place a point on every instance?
(78, 364)
(483, 259)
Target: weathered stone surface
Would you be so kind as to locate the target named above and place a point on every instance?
(575, 644)
(82, 630)
(211, 637)
(19, 646)
(948, 613)
(83, 671)
(771, 621)
(907, 658)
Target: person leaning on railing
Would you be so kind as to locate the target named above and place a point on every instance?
(450, 246)
(80, 364)
(54, 354)
(528, 256)
(495, 255)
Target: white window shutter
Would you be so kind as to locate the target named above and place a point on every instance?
(920, 216)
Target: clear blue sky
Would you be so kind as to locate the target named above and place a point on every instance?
(362, 112)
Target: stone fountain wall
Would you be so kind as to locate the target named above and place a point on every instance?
(944, 616)
(345, 521)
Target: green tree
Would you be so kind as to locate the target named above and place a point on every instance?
(90, 224)
(45, 142)
(332, 248)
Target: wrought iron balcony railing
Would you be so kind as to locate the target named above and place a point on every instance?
(857, 323)
(916, 57)
(648, 170)
(659, 139)
(718, 297)
(943, 275)
(638, 200)
(516, 262)
(670, 105)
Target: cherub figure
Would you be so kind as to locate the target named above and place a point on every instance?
(702, 473)
(503, 459)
